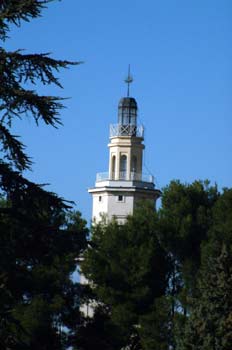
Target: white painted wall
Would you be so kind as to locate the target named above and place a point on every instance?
(110, 205)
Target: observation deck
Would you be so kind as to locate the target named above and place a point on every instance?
(125, 180)
(126, 130)
(124, 176)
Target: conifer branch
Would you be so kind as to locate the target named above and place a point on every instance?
(19, 189)
(15, 11)
(14, 149)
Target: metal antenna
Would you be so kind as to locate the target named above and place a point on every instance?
(128, 81)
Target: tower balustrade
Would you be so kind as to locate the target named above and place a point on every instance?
(126, 130)
(123, 176)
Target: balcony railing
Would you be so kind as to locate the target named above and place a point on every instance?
(126, 130)
(102, 177)
(124, 176)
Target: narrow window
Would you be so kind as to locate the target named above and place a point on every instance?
(113, 167)
(120, 198)
(134, 164)
(123, 167)
(100, 198)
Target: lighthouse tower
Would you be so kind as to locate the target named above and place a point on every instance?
(117, 192)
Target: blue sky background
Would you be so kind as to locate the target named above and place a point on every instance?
(180, 54)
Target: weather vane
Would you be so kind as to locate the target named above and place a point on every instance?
(128, 81)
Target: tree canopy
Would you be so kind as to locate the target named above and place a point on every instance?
(151, 275)
(40, 237)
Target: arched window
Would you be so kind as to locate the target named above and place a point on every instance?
(123, 166)
(134, 164)
(134, 168)
(113, 167)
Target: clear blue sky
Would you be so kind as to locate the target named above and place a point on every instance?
(181, 59)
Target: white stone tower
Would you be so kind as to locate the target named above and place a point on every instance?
(117, 191)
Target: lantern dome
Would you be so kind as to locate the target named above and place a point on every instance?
(127, 111)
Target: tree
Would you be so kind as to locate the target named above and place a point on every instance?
(17, 101)
(18, 69)
(185, 219)
(144, 273)
(155, 327)
(129, 270)
(210, 322)
(39, 240)
(36, 263)
(98, 332)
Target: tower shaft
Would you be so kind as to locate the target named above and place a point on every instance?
(117, 192)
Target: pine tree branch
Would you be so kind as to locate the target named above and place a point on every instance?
(19, 189)
(18, 67)
(15, 11)
(14, 149)
(18, 102)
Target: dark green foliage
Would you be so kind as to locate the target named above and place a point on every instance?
(221, 228)
(184, 221)
(38, 256)
(16, 71)
(186, 217)
(210, 324)
(129, 269)
(154, 327)
(14, 12)
(163, 279)
(99, 333)
(40, 239)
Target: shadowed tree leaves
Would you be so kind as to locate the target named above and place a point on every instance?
(39, 239)
(17, 72)
(210, 322)
(155, 326)
(145, 272)
(185, 218)
(14, 12)
(17, 69)
(129, 270)
(186, 215)
(38, 256)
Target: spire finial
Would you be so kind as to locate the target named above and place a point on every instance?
(128, 81)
